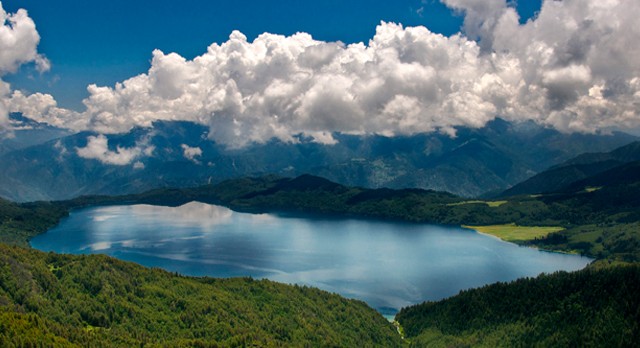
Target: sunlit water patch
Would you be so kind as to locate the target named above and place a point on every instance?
(387, 264)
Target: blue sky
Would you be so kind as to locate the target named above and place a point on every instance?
(103, 42)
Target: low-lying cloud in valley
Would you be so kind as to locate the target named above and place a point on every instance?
(191, 153)
(574, 67)
(98, 148)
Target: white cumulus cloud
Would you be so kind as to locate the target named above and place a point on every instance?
(18, 41)
(406, 80)
(98, 148)
(573, 67)
(191, 153)
(18, 45)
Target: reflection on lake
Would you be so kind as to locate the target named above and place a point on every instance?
(387, 264)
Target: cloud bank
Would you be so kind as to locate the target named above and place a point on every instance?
(574, 67)
(18, 45)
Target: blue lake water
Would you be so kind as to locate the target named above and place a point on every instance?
(389, 265)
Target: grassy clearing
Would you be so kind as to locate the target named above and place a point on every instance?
(515, 233)
(592, 189)
(492, 204)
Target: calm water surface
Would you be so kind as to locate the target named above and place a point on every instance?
(388, 265)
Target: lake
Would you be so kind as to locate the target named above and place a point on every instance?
(389, 265)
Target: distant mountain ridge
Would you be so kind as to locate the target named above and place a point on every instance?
(27, 132)
(625, 179)
(475, 161)
(624, 154)
(576, 172)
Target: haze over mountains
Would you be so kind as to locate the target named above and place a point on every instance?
(54, 165)
(28, 133)
(283, 108)
(405, 107)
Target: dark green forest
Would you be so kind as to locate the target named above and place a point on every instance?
(588, 308)
(20, 222)
(600, 223)
(48, 299)
(95, 300)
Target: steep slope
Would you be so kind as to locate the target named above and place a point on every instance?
(589, 308)
(179, 154)
(558, 178)
(474, 162)
(562, 176)
(99, 301)
(20, 222)
(624, 175)
(624, 154)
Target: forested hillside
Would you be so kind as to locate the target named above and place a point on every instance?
(589, 308)
(20, 222)
(81, 299)
(601, 223)
(565, 175)
(597, 221)
(62, 300)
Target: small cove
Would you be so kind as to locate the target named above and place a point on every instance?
(389, 265)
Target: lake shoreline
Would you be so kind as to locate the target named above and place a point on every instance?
(323, 216)
(357, 258)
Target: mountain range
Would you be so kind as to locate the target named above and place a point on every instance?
(180, 154)
(586, 170)
(26, 133)
(68, 301)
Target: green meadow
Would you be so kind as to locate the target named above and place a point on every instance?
(515, 233)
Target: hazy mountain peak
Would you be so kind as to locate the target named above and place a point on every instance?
(178, 153)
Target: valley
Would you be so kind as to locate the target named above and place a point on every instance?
(601, 223)
(411, 173)
(387, 264)
(475, 162)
